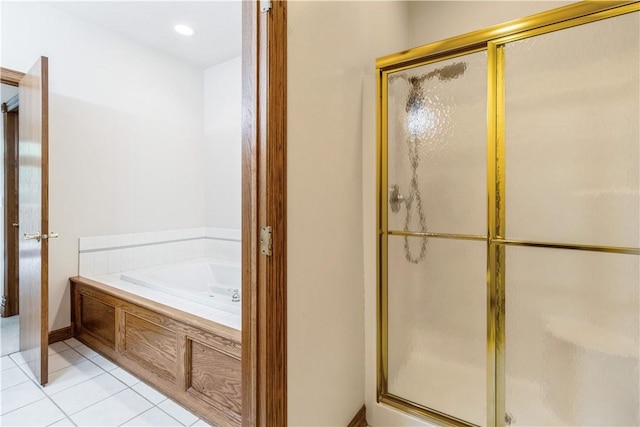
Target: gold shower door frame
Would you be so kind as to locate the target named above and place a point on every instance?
(492, 40)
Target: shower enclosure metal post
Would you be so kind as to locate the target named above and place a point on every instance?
(496, 229)
(381, 233)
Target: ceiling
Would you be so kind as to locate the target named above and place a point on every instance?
(218, 25)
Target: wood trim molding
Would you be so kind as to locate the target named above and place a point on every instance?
(10, 297)
(10, 77)
(273, 285)
(11, 293)
(249, 213)
(44, 214)
(264, 204)
(61, 334)
(360, 419)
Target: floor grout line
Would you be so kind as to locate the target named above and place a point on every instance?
(154, 406)
(59, 369)
(102, 400)
(41, 388)
(13, 410)
(135, 416)
(94, 403)
(144, 397)
(67, 388)
(61, 410)
(24, 367)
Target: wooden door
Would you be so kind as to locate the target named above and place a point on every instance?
(10, 306)
(34, 219)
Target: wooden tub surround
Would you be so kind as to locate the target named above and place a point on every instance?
(195, 361)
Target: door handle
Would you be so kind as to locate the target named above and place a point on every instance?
(35, 236)
(15, 224)
(50, 236)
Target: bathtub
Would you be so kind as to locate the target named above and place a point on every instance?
(204, 281)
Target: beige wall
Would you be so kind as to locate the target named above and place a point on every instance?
(331, 149)
(432, 21)
(331, 47)
(331, 182)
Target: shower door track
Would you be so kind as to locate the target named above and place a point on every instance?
(492, 40)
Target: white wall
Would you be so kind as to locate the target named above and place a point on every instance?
(331, 47)
(222, 139)
(125, 134)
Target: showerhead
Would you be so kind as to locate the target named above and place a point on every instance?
(448, 72)
(453, 71)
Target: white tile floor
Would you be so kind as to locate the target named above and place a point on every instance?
(9, 334)
(84, 389)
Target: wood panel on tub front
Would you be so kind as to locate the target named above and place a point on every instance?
(193, 360)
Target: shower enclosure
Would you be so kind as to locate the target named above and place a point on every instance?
(509, 222)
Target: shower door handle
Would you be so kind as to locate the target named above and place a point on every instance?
(50, 236)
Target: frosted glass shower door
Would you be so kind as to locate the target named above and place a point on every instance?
(436, 281)
(572, 130)
(571, 127)
(509, 223)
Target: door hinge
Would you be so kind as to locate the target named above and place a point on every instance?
(265, 5)
(265, 241)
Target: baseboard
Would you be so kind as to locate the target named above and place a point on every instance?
(360, 419)
(61, 334)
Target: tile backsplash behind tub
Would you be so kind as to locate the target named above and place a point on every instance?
(100, 255)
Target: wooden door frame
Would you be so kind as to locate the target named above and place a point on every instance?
(264, 184)
(10, 305)
(10, 77)
(10, 296)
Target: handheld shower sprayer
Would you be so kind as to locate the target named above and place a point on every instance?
(419, 119)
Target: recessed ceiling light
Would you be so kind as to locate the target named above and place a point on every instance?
(185, 30)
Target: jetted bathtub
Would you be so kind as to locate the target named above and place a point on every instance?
(191, 357)
(203, 281)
